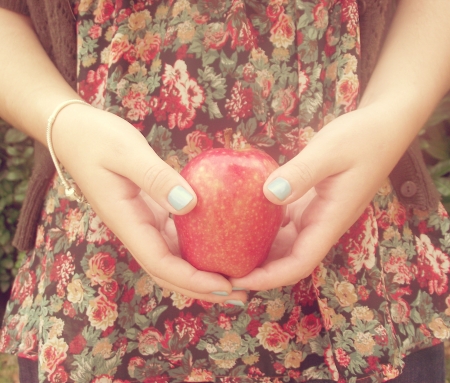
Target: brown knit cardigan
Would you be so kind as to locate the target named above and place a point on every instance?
(54, 24)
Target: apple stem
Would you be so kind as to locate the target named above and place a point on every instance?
(227, 133)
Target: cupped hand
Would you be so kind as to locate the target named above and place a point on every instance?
(133, 191)
(329, 185)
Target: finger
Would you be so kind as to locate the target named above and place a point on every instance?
(129, 217)
(322, 225)
(237, 298)
(136, 160)
(313, 164)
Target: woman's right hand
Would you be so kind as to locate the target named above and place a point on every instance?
(128, 186)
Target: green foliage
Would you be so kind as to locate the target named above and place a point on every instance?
(435, 143)
(16, 156)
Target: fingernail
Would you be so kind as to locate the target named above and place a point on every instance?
(179, 197)
(239, 289)
(280, 188)
(235, 303)
(222, 293)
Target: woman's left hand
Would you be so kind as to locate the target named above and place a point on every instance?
(332, 182)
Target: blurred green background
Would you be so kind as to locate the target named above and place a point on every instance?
(16, 159)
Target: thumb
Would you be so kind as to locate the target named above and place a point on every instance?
(138, 162)
(312, 165)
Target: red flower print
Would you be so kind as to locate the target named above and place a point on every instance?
(120, 45)
(182, 119)
(383, 220)
(283, 31)
(400, 311)
(329, 361)
(25, 288)
(272, 337)
(62, 271)
(248, 72)
(291, 325)
(59, 375)
(273, 11)
(197, 142)
(396, 265)
(190, 93)
(95, 32)
(216, 36)
(149, 340)
(253, 327)
(5, 339)
(303, 292)
(242, 33)
(308, 328)
(146, 305)
(52, 353)
(136, 363)
(105, 9)
(397, 213)
(206, 305)
(342, 357)
(104, 378)
(101, 312)
(285, 101)
(360, 241)
(134, 266)
(193, 327)
(68, 309)
(131, 55)
(109, 289)
(148, 47)
(102, 267)
(255, 307)
(127, 295)
(241, 102)
(224, 321)
(362, 293)
(135, 101)
(182, 52)
(92, 89)
(121, 345)
(320, 13)
(28, 347)
(279, 368)
(179, 97)
(77, 345)
(294, 374)
(432, 266)
(347, 91)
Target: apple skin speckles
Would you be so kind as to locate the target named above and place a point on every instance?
(232, 227)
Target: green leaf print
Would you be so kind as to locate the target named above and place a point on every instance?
(247, 129)
(156, 313)
(160, 139)
(228, 64)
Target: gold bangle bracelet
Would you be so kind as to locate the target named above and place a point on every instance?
(71, 189)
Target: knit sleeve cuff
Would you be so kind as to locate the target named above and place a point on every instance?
(18, 6)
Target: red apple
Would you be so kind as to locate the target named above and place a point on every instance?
(232, 227)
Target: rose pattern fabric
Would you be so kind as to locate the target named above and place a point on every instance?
(197, 74)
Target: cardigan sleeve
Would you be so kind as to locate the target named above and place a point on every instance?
(18, 6)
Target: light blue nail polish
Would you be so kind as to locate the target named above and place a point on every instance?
(235, 303)
(179, 197)
(222, 293)
(239, 289)
(280, 187)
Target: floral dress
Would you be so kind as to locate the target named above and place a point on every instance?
(192, 75)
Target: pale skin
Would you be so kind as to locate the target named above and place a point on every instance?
(332, 180)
